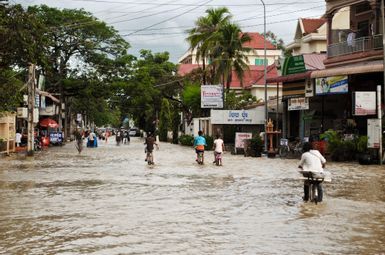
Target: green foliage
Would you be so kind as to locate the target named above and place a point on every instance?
(344, 150)
(10, 86)
(209, 142)
(175, 124)
(238, 102)
(186, 140)
(362, 144)
(191, 97)
(164, 120)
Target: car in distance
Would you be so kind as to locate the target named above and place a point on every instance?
(134, 132)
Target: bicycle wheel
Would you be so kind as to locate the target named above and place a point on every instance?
(283, 151)
(311, 192)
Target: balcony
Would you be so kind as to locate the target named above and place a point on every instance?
(362, 44)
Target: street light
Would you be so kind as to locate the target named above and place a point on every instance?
(265, 68)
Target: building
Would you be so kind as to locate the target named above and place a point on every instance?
(355, 53)
(253, 79)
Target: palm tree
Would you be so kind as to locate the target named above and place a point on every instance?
(203, 36)
(229, 53)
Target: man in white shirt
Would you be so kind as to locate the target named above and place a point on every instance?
(311, 161)
(219, 146)
(18, 139)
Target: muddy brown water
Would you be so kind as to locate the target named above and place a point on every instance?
(108, 201)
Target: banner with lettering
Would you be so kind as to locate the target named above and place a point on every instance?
(255, 116)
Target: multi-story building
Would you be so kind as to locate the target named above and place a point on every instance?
(253, 79)
(355, 53)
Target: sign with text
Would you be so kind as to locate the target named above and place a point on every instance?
(239, 117)
(299, 103)
(374, 133)
(293, 65)
(211, 96)
(331, 85)
(364, 103)
(240, 137)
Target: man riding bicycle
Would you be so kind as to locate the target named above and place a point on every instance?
(312, 162)
(150, 142)
(199, 145)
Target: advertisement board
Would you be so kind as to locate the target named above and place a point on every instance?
(364, 103)
(331, 85)
(239, 117)
(299, 103)
(211, 96)
(374, 133)
(239, 139)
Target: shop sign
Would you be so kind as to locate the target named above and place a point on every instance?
(299, 103)
(293, 65)
(22, 112)
(309, 89)
(239, 117)
(240, 139)
(365, 103)
(332, 85)
(211, 96)
(374, 133)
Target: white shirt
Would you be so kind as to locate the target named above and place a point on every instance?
(218, 145)
(18, 138)
(312, 161)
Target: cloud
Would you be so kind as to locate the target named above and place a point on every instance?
(166, 32)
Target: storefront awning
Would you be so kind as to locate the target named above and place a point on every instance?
(348, 70)
(290, 77)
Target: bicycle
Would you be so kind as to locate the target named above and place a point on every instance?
(290, 149)
(314, 185)
(150, 158)
(79, 145)
(200, 157)
(218, 158)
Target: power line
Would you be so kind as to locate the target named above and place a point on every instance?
(176, 16)
(208, 5)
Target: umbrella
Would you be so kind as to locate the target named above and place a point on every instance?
(48, 123)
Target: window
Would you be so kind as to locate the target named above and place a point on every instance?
(260, 62)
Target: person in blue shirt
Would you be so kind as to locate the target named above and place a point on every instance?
(199, 144)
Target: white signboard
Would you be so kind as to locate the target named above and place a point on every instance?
(211, 96)
(298, 103)
(255, 116)
(374, 131)
(240, 137)
(365, 103)
(332, 85)
(22, 112)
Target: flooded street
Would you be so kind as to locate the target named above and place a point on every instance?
(108, 201)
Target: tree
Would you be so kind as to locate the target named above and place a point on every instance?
(10, 87)
(229, 53)
(175, 123)
(203, 36)
(278, 42)
(164, 120)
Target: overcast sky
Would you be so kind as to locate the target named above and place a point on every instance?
(160, 25)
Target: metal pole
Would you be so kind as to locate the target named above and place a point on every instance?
(265, 68)
(383, 49)
(379, 115)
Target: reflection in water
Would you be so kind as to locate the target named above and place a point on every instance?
(108, 201)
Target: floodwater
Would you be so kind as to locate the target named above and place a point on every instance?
(108, 201)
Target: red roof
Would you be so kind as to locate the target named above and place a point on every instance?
(257, 42)
(311, 25)
(184, 69)
(254, 76)
(314, 61)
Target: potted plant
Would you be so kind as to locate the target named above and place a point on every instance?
(363, 155)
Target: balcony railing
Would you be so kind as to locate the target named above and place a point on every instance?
(361, 44)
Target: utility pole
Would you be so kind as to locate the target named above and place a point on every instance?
(383, 69)
(31, 106)
(265, 70)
